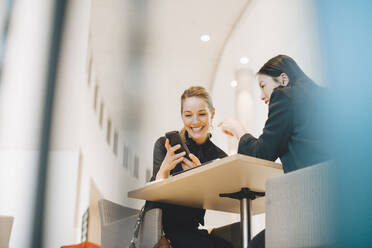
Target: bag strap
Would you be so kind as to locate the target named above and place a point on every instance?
(137, 227)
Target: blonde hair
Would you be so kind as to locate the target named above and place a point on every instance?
(195, 91)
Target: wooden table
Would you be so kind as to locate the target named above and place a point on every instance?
(200, 187)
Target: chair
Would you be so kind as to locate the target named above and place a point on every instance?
(298, 209)
(6, 223)
(117, 226)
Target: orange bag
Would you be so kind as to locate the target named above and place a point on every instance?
(85, 244)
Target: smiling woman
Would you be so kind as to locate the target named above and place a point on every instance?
(181, 223)
(197, 113)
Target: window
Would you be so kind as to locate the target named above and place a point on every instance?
(148, 175)
(125, 156)
(95, 97)
(89, 72)
(136, 167)
(101, 114)
(108, 134)
(116, 139)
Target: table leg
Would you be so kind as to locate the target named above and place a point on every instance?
(245, 195)
(245, 221)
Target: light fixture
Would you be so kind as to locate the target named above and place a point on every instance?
(205, 38)
(234, 83)
(244, 60)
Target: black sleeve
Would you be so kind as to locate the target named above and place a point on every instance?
(158, 156)
(220, 153)
(273, 142)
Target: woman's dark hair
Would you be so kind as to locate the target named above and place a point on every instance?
(283, 64)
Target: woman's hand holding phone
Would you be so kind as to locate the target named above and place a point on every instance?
(187, 164)
(172, 158)
(170, 161)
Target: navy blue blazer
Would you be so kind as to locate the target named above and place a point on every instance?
(294, 128)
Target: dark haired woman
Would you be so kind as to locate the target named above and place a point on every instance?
(293, 130)
(181, 224)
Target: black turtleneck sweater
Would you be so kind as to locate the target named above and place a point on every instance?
(176, 217)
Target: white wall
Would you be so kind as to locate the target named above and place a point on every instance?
(23, 80)
(18, 185)
(21, 107)
(59, 222)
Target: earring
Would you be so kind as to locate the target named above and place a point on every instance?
(210, 130)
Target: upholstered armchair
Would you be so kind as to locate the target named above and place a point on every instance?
(298, 209)
(118, 222)
(117, 226)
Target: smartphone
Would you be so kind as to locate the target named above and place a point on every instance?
(175, 139)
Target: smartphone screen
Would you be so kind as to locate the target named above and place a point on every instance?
(174, 138)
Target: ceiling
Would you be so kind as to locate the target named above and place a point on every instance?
(149, 51)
